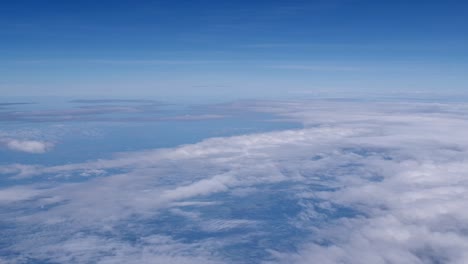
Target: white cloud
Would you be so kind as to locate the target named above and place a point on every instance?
(28, 146)
(360, 183)
(15, 194)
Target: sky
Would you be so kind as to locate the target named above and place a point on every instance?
(232, 49)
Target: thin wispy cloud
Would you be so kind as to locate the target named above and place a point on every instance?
(122, 61)
(112, 101)
(305, 67)
(104, 110)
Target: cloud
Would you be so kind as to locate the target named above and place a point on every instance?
(16, 194)
(316, 68)
(361, 182)
(104, 110)
(28, 146)
(113, 101)
(122, 62)
(4, 105)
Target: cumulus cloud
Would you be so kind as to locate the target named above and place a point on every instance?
(28, 146)
(360, 183)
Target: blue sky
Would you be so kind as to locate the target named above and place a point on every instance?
(231, 49)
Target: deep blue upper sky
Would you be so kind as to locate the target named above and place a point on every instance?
(235, 48)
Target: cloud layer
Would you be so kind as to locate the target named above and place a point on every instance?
(360, 183)
(100, 110)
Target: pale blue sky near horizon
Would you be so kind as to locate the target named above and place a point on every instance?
(232, 49)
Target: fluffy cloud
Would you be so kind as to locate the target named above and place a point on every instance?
(360, 183)
(28, 146)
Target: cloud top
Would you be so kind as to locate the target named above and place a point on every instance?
(359, 183)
